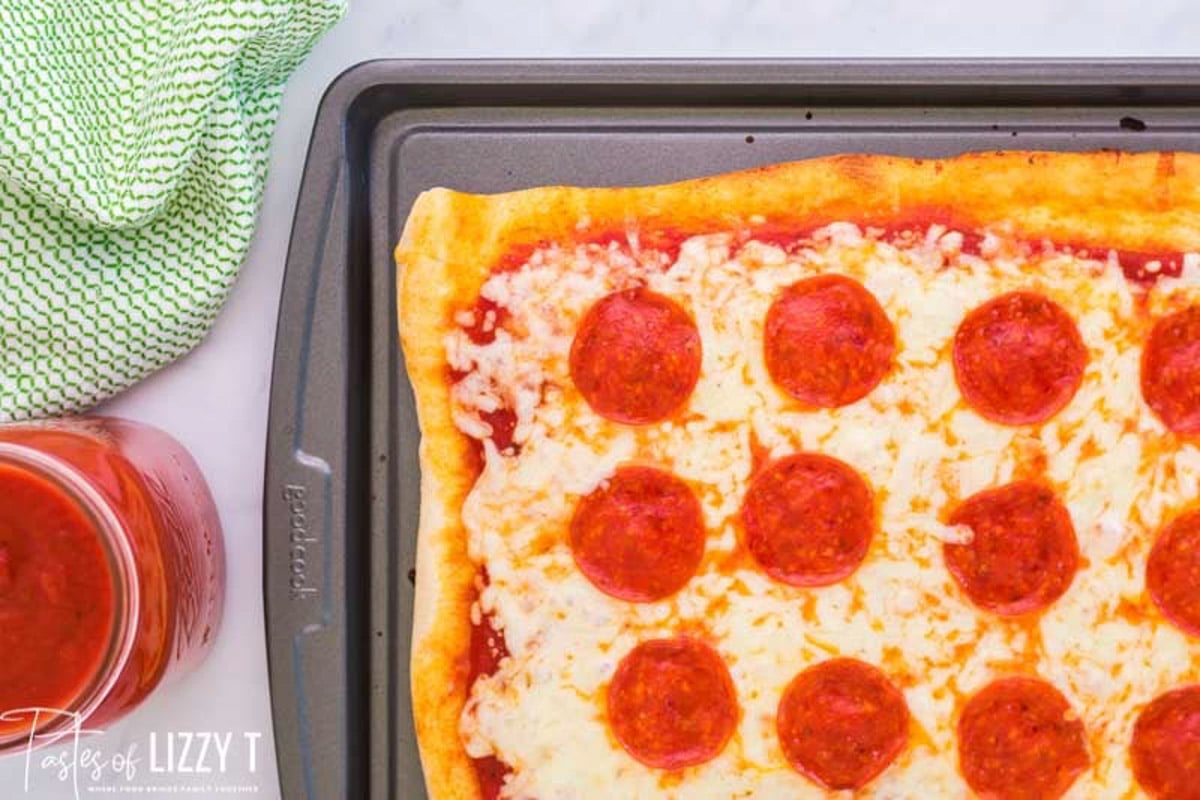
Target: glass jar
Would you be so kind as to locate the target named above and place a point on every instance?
(112, 572)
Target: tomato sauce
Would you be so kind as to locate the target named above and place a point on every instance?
(486, 317)
(57, 596)
(487, 650)
(664, 240)
(1138, 266)
(115, 517)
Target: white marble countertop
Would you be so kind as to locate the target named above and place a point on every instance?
(215, 400)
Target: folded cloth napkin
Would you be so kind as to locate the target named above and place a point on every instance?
(133, 149)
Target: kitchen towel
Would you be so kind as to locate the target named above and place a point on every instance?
(133, 148)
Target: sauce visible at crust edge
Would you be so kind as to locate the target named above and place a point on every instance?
(1135, 264)
(487, 649)
(914, 222)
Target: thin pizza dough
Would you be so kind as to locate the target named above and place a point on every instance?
(858, 373)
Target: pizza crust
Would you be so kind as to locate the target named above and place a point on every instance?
(1136, 202)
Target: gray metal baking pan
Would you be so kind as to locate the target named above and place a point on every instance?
(341, 471)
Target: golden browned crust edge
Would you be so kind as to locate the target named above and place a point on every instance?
(1144, 202)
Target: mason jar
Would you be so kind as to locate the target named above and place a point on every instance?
(112, 572)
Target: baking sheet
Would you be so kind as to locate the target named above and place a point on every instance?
(341, 475)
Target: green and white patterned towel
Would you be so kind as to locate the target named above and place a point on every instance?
(133, 149)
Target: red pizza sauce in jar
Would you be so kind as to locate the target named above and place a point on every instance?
(112, 572)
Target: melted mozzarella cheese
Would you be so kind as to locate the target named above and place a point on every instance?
(1120, 474)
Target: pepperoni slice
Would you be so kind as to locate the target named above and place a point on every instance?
(1171, 370)
(1019, 739)
(1166, 746)
(636, 357)
(671, 703)
(827, 341)
(640, 535)
(841, 723)
(1022, 555)
(808, 519)
(1018, 358)
(1173, 572)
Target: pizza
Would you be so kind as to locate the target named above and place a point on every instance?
(859, 474)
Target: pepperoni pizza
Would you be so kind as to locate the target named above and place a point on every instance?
(861, 473)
